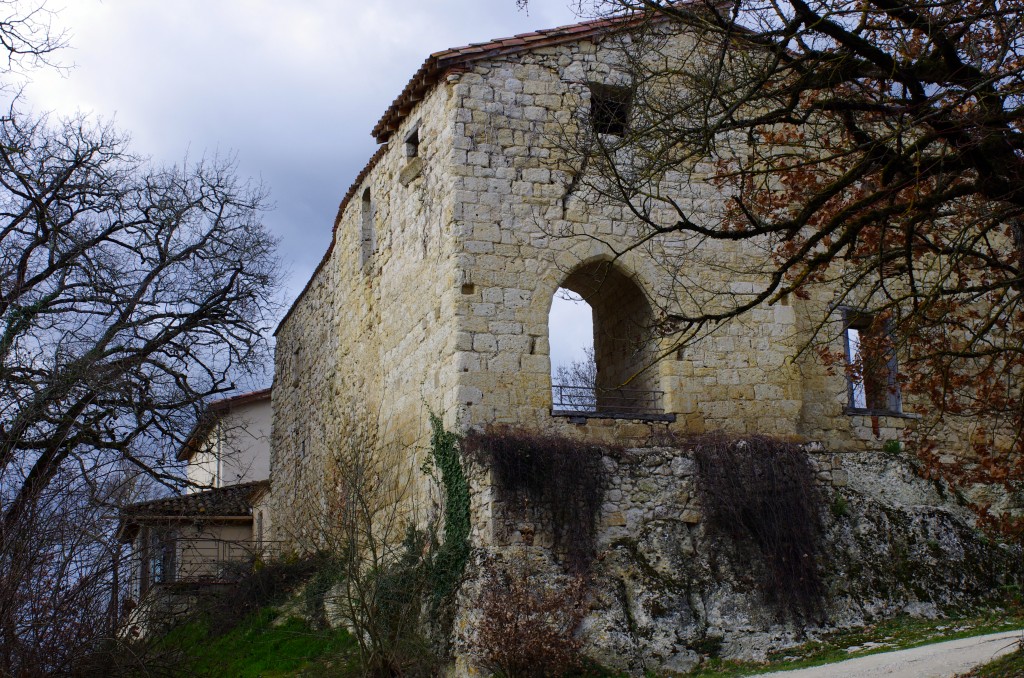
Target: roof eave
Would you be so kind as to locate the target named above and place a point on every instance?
(439, 64)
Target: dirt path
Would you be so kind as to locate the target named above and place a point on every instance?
(939, 660)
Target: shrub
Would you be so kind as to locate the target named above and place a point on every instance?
(840, 506)
(255, 588)
(528, 626)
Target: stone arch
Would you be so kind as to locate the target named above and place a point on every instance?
(624, 343)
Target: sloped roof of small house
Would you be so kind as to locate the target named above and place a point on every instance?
(233, 501)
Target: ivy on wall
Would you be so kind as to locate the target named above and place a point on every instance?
(449, 560)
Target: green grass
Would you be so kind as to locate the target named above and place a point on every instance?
(1008, 666)
(260, 648)
(893, 634)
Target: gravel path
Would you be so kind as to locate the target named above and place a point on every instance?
(939, 660)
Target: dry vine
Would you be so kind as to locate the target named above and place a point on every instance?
(561, 476)
(760, 498)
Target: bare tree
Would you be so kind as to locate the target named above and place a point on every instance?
(63, 579)
(575, 384)
(865, 154)
(129, 295)
(27, 34)
(380, 547)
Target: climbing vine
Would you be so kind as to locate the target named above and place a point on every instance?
(561, 476)
(449, 560)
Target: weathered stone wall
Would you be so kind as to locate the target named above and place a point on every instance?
(435, 296)
(367, 351)
(470, 241)
(514, 114)
(663, 590)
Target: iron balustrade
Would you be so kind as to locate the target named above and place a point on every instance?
(591, 400)
(201, 559)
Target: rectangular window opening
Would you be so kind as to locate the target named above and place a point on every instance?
(412, 144)
(609, 108)
(871, 364)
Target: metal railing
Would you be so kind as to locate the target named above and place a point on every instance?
(592, 400)
(197, 560)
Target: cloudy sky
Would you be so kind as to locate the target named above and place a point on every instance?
(291, 88)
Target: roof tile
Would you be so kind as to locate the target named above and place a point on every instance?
(231, 501)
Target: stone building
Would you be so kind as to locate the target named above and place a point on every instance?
(435, 291)
(183, 544)
(434, 297)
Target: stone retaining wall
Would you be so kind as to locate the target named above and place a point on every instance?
(662, 591)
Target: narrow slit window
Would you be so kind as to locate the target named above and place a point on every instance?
(368, 236)
(609, 108)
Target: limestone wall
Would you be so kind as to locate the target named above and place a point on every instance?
(515, 206)
(367, 350)
(446, 255)
(662, 585)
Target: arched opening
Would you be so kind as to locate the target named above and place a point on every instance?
(571, 342)
(622, 346)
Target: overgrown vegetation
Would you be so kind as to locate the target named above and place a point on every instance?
(761, 502)
(262, 646)
(236, 631)
(381, 545)
(562, 477)
(386, 612)
(266, 584)
(393, 573)
(1007, 666)
(528, 629)
(449, 561)
(445, 561)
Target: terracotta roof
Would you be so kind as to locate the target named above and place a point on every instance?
(440, 63)
(234, 501)
(240, 399)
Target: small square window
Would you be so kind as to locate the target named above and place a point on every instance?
(871, 364)
(412, 144)
(609, 108)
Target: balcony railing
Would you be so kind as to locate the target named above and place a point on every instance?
(621, 403)
(197, 560)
